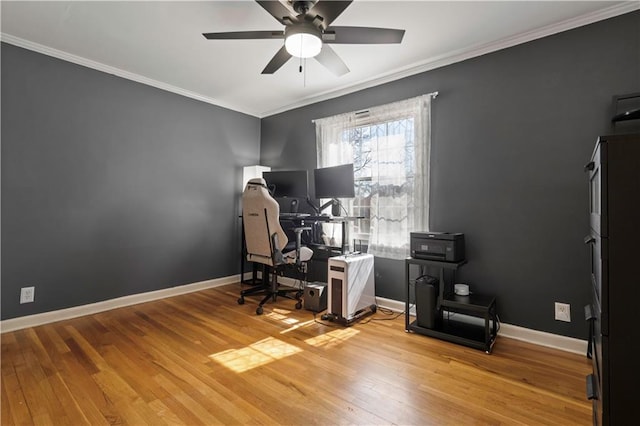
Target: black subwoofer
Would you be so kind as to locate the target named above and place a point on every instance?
(315, 296)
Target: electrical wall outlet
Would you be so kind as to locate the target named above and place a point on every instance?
(563, 312)
(27, 294)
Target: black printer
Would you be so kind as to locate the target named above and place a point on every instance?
(443, 246)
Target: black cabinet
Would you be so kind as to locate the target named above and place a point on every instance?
(614, 241)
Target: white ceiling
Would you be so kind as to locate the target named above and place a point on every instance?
(160, 43)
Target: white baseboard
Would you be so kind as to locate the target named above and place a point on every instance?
(556, 341)
(93, 308)
(564, 343)
(394, 305)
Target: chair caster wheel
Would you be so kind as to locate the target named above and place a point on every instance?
(299, 305)
(241, 300)
(259, 310)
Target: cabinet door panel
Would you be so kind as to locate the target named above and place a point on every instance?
(604, 387)
(597, 198)
(596, 356)
(599, 279)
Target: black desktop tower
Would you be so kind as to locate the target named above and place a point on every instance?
(315, 296)
(426, 298)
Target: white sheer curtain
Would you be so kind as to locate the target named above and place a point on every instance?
(390, 148)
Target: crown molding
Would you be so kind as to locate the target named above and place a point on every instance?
(464, 54)
(89, 63)
(417, 68)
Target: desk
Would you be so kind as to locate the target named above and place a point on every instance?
(464, 333)
(312, 220)
(322, 251)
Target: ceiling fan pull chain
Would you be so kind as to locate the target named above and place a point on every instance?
(300, 67)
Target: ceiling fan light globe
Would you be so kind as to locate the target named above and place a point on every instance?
(303, 45)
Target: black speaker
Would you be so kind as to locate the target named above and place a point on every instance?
(293, 207)
(426, 290)
(315, 296)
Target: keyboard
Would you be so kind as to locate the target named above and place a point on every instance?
(294, 215)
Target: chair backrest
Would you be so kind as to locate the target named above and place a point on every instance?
(261, 219)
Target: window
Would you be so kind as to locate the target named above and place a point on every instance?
(389, 147)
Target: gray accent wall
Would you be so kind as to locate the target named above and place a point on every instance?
(511, 133)
(111, 187)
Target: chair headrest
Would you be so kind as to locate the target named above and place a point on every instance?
(258, 182)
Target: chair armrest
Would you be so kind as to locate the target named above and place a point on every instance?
(298, 232)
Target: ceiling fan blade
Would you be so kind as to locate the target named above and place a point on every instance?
(277, 10)
(362, 35)
(329, 10)
(277, 61)
(330, 59)
(244, 35)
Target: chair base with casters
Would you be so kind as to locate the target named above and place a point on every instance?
(272, 291)
(260, 288)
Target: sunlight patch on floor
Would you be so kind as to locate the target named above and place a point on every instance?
(332, 338)
(255, 355)
(298, 325)
(282, 316)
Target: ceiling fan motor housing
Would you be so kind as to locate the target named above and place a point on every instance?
(305, 28)
(302, 6)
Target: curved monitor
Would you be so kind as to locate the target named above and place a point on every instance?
(334, 182)
(287, 183)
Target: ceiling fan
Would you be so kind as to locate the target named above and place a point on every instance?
(308, 33)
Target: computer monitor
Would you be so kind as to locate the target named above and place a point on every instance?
(287, 183)
(334, 182)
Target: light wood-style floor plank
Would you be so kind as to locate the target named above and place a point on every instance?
(202, 359)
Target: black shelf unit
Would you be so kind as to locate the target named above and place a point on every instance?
(477, 336)
(614, 192)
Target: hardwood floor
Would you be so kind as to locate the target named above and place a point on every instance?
(201, 358)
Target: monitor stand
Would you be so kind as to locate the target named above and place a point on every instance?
(336, 207)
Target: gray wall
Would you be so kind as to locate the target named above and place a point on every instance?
(110, 187)
(511, 133)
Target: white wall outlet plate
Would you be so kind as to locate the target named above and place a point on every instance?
(27, 294)
(563, 312)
